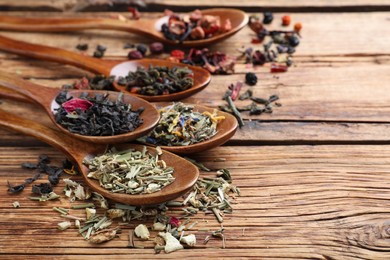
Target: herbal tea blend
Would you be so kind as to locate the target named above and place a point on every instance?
(180, 125)
(130, 171)
(158, 80)
(196, 26)
(96, 115)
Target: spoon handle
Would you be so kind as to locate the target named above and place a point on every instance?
(8, 94)
(47, 53)
(63, 24)
(61, 141)
(40, 94)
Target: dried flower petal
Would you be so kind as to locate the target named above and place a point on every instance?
(103, 236)
(142, 231)
(171, 243)
(64, 225)
(174, 221)
(190, 240)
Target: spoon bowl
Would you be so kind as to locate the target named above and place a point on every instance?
(144, 27)
(185, 173)
(45, 97)
(225, 130)
(106, 67)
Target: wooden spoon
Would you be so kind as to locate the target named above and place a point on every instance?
(185, 172)
(106, 67)
(148, 28)
(225, 130)
(45, 97)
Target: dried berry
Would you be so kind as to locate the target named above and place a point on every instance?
(82, 46)
(298, 27)
(156, 48)
(134, 55)
(293, 40)
(101, 48)
(268, 17)
(98, 54)
(286, 20)
(250, 78)
(142, 49)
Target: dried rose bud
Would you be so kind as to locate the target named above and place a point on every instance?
(134, 55)
(197, 33)
(196, 15)
(156, 48)
(178, 54)
(81, 84)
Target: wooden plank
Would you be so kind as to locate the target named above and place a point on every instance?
(346, 94)
(177, 5)
(297, 202)
(323, 35)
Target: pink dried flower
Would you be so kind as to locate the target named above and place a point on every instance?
(76, 103)
(174, 221)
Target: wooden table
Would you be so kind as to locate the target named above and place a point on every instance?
(314, 175)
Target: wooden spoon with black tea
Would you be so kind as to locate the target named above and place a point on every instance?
(106, 67)
(185, 173)
(144, 27)
(45, 97)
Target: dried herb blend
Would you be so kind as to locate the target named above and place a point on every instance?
(158, 80)
(195, 26)
(130, 171)
(180, 125)
(96, 115)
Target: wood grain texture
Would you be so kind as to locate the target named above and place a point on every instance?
(297, 202)
(177, 5)
(301, 198)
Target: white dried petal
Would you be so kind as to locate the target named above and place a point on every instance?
(189, 240)
(158, 226)
(171, 243)
(70, 183)
(115, 213)
(77, 223)
(68, 192)
(142, 231)
(16, 204)
(152, 187)
(80, 192)
(90, 213)
(133, 184)
(64, 225)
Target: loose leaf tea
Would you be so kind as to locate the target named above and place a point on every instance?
(97, 115)
(158, 80)
(180, 125)
(195, 26)
(130, 171)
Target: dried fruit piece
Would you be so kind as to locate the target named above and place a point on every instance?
(286, 20)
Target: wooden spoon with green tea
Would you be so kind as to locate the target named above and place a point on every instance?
(106, 67)
(185, 173)
(144, 27)
(45, 97)
(225, 129)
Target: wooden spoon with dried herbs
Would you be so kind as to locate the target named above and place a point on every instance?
(186, 128)
(149, 28)
(164, 187)
(200, 77)
(94, 116)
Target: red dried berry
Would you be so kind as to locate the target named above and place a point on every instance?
(286, 20)
(156, 48)
(178, 54)
(134, 55)
(298, 27)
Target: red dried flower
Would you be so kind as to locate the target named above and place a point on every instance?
(278, 68)
(178, 54)
(75, 103)
(134, 12)
(81, 84)
(174, 221)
